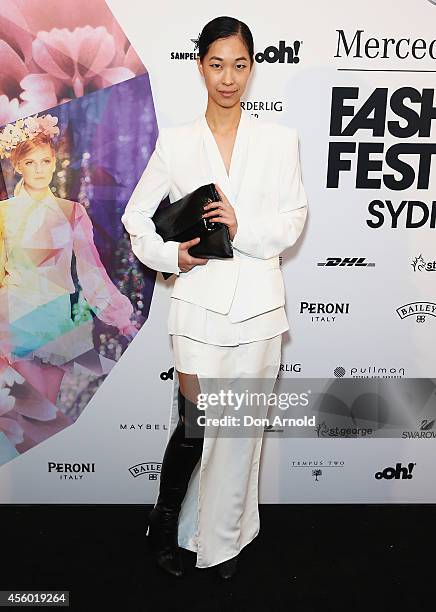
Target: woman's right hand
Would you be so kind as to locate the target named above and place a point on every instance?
(186, 261)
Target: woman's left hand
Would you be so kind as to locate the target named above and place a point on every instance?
(223, 212)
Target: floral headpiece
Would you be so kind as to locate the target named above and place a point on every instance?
(26, 129)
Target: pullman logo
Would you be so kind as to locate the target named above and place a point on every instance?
(369, 372)
(148, 468)
(281, 54)
(346, 261)
(397, 473)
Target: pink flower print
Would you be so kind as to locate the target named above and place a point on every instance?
(8, 109)
(47, 124)
(12, 430)
(13, 70)
(14, 30)
(78, 57)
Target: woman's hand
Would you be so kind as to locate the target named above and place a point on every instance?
(187, 261)
(223, 212)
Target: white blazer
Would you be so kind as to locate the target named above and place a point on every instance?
(264, 187)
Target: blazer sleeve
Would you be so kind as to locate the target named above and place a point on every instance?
(152, 188)
(270, 233)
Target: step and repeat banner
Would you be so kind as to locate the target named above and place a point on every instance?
(86, 366)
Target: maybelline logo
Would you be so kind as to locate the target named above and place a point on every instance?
(282, 54)
(324, 431)
(417, 309)
(425, 430)
(150, 469)
(420, 265)
(322, 312)
(143, 426)
(398, 472)
(70, 471)
(357, 262)
(369, 372)
(358, 45)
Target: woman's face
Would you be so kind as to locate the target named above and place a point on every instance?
(37, 167)
(226, 68)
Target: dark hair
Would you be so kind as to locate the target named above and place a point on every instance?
(222, 27)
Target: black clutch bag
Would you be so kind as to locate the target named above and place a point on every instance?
(182, 221)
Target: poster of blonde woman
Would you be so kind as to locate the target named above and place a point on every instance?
(72, 295)
(39, 234)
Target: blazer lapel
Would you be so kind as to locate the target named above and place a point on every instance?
(231, 184)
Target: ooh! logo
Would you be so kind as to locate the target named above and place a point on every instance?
(397, 472)
(273, 54)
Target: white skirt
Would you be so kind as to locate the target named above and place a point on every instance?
(219, 514)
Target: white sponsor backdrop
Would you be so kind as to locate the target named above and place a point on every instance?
(125, 423)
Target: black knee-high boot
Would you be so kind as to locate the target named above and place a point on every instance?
(181, 456)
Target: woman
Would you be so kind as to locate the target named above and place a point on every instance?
(39, 232)
(226, 316)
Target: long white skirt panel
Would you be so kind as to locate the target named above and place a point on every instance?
(220, 515)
